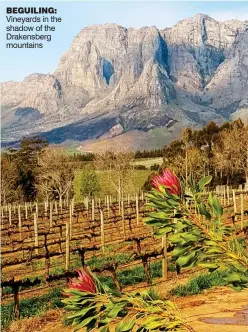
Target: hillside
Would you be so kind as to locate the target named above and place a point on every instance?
(139, 85)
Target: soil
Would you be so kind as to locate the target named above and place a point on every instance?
(216, 310)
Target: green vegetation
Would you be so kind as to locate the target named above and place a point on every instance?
(88, 182)
(135, 182)
(197, 284)
(32, 306)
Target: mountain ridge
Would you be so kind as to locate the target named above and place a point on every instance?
(138, 79)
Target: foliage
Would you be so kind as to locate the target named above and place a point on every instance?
(220, 151)
(117, 167)
(89, 182)
(203, 281)
(56, 174)
(24, 163)
(10, 188)
(128, 312)
(149, 154)
(195, 228)
(31, 306)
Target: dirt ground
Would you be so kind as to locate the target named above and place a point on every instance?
(228, 306)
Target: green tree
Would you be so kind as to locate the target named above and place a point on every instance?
(89, 182)
(27, 160)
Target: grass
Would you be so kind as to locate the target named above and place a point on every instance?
(199, 283)
(135, 181)
(33, 306)
(132, 276)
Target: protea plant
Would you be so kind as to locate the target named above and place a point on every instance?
(194, 225)
(97, 307)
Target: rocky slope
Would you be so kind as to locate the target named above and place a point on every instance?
(113, 81)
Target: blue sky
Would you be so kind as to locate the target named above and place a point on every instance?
(16, 64)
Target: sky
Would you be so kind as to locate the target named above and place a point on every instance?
(15, 64)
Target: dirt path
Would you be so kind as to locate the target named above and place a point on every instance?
(216, 303)
(221, 302)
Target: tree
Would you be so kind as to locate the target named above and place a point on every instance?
(231, 152)
(118, 169)
(56, 174)
(26, 159)
(89, 182)
(10, 191)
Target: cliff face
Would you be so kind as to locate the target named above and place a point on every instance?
(112, 77)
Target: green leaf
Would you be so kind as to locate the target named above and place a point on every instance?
(233, 277)
(185, 260)
(114, 312)
(217, 207)
(203, 211)
(211, 266)
(178, 251)
(203, 182)
(85, 323)
(162, 231)
(125, 325)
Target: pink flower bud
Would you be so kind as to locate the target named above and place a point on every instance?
(84, 282)
(169, 180)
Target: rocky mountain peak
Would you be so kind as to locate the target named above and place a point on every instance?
(134, 79)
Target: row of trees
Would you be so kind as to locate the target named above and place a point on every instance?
(220, 151)
(35, 170)
(38, 171)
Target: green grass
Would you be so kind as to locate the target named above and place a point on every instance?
(197, 284)
(32, 306)
(132, 185)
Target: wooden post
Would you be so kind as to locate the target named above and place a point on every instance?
(45, 207)
(26, 211)
(20, 221)
(108, 206)
(73, 205)
(56, 207)
(137, 209)
(164, 260)
(119, 202)
(242, 211)
(102, 232)
(122, 209)
(71, 218)
(61, 205)
(51, 214)
(67, 246)
(228, 195)
(36, 209)
(234, 202)
(93, 209)
(87, 203)
(224, 198)
(10, 220)
(2, 216)
(36, 240)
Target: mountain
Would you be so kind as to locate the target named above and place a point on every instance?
(134, 87)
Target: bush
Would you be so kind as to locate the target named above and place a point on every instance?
(199, 283)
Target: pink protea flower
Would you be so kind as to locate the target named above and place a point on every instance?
(169, 180)
(84, 282)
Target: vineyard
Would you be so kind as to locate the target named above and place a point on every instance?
(43, 244)
(48, 240)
